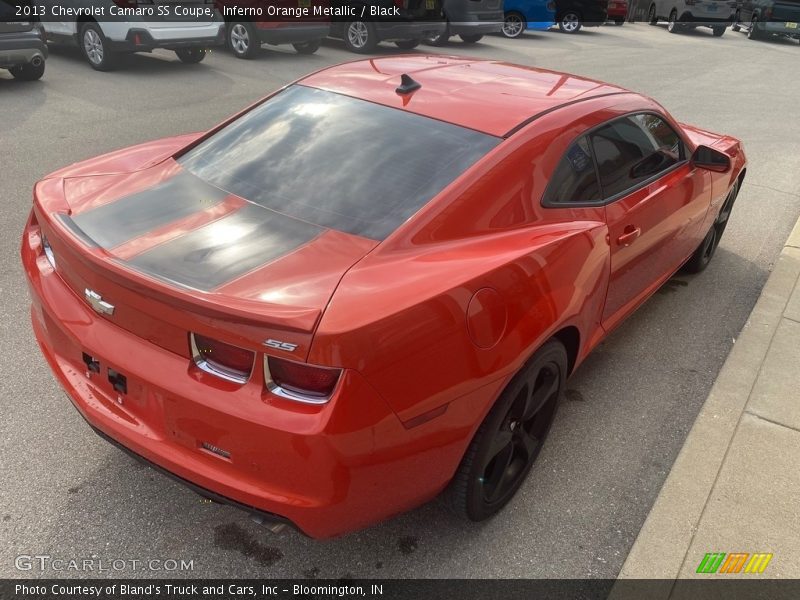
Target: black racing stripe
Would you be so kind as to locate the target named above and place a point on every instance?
(112, 224)
(217, 253)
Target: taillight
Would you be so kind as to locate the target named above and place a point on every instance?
(300, 381)
(221, 359)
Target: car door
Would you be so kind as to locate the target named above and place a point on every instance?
(656, 202)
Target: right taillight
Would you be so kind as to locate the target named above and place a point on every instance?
(221, 359)
(300, 381)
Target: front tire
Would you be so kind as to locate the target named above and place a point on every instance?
(705, 251)
(619, 21)
(652, 18)
(570, 22)
(509, 440)
(513, 25)
(96, 49)
(735, 26)
(360, 37)
(308, 47)
(242, 39)
(407, 44)
(672, 24)
(190, 56)
(471, 39)
(718, 30)
(754, 33)
(27, 72)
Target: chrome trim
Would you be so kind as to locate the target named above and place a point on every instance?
(213, 368)
(290, 395)
(48, 251)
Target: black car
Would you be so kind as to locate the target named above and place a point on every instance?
(571, 15)
(22, 49)
(762, 18)
(362, 24)
(470, 20)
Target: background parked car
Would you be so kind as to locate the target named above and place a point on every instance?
(244, 35)
(617, 11)
(103, 41)
(470, 20)
(685, 14)
(764, 17)
(571, 15)
(418, 20)
(527, 14)
(22, 48)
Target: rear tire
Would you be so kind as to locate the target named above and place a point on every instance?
(509, 440)
(308, 47)
(471, 39)
(672, 24)
(718, 30)
(96, 49)
(735, 26)
(190, 56)
(407, 44)
(441, 39)
(754, 33)
(242, 39)
(27, 72)
(652, 18)
(513, 25)
(620, 21)
(360, 37)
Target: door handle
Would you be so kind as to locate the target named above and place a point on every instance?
(631, 233)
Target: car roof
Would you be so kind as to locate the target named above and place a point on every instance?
(489, 96)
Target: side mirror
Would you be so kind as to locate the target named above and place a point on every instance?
(713, 160)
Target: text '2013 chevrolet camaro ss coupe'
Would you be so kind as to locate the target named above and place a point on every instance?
(368, 289)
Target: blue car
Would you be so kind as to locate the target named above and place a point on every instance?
(528, 14)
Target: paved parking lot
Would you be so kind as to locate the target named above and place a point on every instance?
(68, 494)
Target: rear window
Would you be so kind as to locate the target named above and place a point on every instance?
(336, 161)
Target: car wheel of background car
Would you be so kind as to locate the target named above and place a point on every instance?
(652, 19)
(95, 48)
(471, 39)
(508, 441)
(754, 33)
(570, 22)
(441, 39)
(242, 39)
(619, 21)
(28, 72)
(705, 252)
(672, 24)
(359, 36)
(308, 47)
(407, 44)
(735, 26)
(718, 30)
(513, 25)
(190, 56)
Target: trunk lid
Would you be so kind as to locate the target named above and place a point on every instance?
(174, 254)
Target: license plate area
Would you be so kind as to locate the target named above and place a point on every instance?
(791, 25)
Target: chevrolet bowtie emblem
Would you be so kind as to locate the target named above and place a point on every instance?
(96, 301)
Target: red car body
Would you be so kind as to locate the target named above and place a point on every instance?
(427, 326)
(617, 11)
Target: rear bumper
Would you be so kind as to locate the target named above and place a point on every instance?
(412, 30)
(780, 28)
(21, 49)
(478, 27)
(328, 469)
(292, 34)
(142, 40)
(710, 20)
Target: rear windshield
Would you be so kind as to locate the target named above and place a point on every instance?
(336, 161)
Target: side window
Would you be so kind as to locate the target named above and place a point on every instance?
(575, 179)
(633, 149)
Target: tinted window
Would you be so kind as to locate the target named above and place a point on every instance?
(575, 179)
(336, 161)
(633, 149)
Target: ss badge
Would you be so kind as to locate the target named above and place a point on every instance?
(279, 345)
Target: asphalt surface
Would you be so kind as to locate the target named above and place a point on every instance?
(68, 494)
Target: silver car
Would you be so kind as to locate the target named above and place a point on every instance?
(684, 14)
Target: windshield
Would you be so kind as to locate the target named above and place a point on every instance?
(336, 161)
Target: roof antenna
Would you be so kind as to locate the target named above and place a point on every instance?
(407, 85)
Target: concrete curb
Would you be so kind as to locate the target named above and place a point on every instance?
(666, 536)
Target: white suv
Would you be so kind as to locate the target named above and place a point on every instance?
(104, 29)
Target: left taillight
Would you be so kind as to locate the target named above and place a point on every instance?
(48, 251)
(300, 381)
(221, 359)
